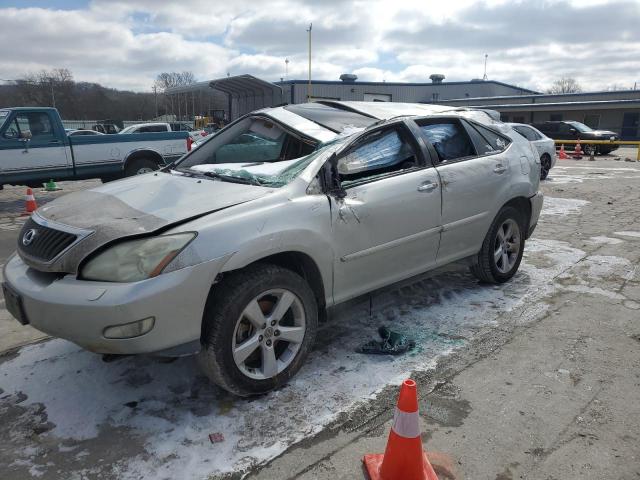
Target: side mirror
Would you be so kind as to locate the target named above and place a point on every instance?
(572, 131)
(26, 135)
(330, 180)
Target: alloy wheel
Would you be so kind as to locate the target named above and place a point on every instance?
(268, 334)
(507, 245)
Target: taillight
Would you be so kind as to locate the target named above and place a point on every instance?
(189, 143)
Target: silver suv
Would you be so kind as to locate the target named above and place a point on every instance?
(238, 249)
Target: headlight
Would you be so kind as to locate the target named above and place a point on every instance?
(135, 260)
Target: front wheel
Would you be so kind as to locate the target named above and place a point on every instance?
(259, 326)
(501, 252)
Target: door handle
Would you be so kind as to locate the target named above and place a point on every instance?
(500, 168)
(427, 186)
(54, 141)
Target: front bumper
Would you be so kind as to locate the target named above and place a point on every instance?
(536, 208)
(80, 310)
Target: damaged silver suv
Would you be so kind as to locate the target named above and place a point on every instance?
(237, 250)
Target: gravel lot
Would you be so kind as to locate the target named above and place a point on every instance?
(537, 378)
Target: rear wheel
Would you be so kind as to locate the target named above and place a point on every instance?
(545, 166)
(259, 326)
(140, 166)
(501, 252)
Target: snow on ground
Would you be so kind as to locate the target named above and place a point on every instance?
(579, 173)
(562, 206)
(606, 240)
(628, 234)
(171, 409)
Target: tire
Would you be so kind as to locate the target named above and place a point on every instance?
(487, 268)
(227, 328)
(545, 166)
(588, 149)
(140, 166)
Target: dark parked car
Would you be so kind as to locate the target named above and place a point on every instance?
(571, 130)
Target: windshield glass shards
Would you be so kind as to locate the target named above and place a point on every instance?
(266, 174)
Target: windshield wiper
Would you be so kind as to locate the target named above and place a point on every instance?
(231, 178)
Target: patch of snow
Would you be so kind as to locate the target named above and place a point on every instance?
(577, 173)
(562, 206)
(606, 240)
(177, 408)
(593, 291)
(628, 234)
(604, 266)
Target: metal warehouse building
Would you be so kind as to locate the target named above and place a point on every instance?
(231, 97)
(237, 95)
(617, 110)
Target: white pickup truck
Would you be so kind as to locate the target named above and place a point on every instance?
(34, 148)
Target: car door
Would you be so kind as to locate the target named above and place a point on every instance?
(44, 156)
(387, 226)
(474, 170)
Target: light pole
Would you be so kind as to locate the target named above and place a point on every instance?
(309, 86)
(484, 77)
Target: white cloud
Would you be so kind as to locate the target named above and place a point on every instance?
(125, 44)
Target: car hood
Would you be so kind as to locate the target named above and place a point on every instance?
(135, 206)
(603, 133)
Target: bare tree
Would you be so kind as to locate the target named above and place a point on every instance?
(174, 79)
(565, 85)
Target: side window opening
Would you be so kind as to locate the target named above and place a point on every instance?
(527, 133)
(376, 155)
(449, 139)
(39, 124)
(487, 141)
(252, 140)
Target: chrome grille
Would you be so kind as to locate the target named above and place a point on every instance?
(43, 243)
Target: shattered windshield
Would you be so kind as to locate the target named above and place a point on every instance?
(265, 174)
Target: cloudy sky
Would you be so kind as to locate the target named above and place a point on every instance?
(125, 44)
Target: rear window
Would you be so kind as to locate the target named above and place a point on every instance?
(331, 118)
(527, 133)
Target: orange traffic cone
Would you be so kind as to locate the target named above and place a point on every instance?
(30, 205)
(577, 152)
(562, 155)
(403, 458)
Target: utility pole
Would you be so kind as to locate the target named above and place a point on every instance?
(309, 86)
(484, 77)
(53, 97)
(286, 69)
(155, 96)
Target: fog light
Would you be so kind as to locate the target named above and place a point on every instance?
(130, 330)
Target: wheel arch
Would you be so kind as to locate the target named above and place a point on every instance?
(521, 204)
(143, 153)
(297, 261)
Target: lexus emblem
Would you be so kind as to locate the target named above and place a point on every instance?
(28, 237)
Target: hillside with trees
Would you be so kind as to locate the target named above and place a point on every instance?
(89, 101)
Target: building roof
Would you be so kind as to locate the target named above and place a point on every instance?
(405, 84)
(593, 104)
(537, 96)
